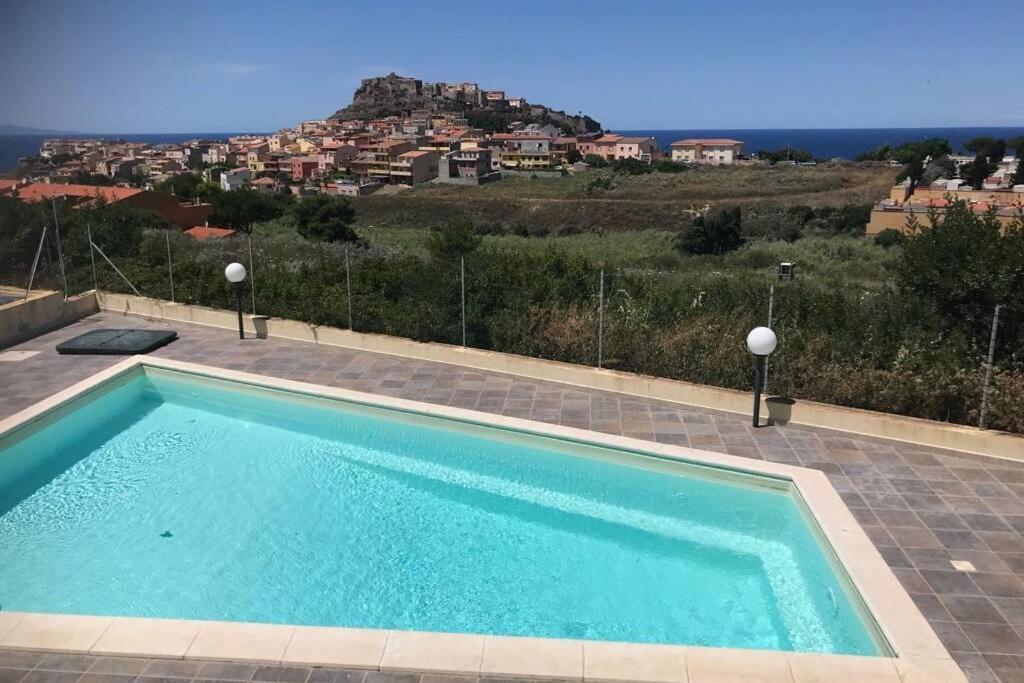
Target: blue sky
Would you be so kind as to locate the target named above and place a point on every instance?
(106, 66)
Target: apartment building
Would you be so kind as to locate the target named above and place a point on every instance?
(304, 167)
(235, 179)
(707, 150)
(397, 162)
(414, 167)
(528, 153)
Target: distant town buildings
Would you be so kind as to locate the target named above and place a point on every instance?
(355, 157)
(996, 196)
(707, 151)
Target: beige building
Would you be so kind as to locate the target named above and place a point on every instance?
(896, 211)
(707, 150)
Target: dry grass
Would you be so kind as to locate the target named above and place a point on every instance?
(659, 201)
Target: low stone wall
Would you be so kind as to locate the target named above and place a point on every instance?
(42, 311)
(781, 410)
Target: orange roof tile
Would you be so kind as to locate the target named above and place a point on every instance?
(34, 192)
(205, 232)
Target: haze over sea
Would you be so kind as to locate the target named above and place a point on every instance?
(822, 142)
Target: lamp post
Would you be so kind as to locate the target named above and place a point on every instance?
(761, 341)
(235, 273)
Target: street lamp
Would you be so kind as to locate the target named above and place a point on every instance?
(235, 273)
(761, 341)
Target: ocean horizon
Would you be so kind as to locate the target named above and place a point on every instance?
(825, 143)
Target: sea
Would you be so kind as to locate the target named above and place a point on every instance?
(823, 143)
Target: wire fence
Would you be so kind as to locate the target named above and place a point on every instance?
(607, 318)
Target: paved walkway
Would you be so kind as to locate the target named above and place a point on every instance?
(923, 507)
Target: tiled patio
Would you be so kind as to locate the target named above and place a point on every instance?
(922, 507)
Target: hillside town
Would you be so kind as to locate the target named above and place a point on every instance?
(353, 157)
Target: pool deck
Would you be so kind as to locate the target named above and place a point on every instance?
(923, 508)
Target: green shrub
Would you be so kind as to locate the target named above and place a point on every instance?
(890, 237)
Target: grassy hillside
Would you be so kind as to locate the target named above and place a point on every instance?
(601, 200)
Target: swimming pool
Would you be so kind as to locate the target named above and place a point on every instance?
(167, 494)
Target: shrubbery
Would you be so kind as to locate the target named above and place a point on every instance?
(913, 344)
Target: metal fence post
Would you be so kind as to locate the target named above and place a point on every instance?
(600, 322)
(767, 360)
(170, 265)
(348, 288)
(462, 276)
(92, 256)
(60, 250)
(35, 262)
(252, 272)
(988, 368)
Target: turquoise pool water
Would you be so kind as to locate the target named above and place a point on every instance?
(173, 496)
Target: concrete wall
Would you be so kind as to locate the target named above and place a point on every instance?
(908, 429)
(43, 311)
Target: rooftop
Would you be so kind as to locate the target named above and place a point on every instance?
(40, 191)
(206, 232)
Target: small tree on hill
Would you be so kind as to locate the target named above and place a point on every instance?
(240, 209)
(713, 233)
(975, 172)
(964, 263)
(325, 218)
(453, 241)
(993, 149)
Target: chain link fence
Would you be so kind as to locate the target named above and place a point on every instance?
(623, 319)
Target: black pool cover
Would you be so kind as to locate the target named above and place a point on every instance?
(117, 342)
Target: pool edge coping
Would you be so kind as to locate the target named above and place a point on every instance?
(917, 650)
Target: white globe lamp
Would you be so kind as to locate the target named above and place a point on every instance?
(761, 341)
(235, 273)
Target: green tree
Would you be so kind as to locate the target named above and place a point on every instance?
(631, 167)
(993, 149)
(785, 154)
(932, 147)
(975, 172)
(889, 237)
(713, 233)
(914, 171)
(963, 264)
(595, 160)
(573, 156)
(325, 218)
(242, 208)
(189, 186)
(453, 241)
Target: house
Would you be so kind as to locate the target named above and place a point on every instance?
(335, 155)
(352, 189)
(168, 206)
(304, 167)
(414, 167)
(538, 130)
(469, 165)
(207, 232)
(707, 150)
(375, 160)
(563, 145)
(267, 185)
(235, 179)
(527, 153)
